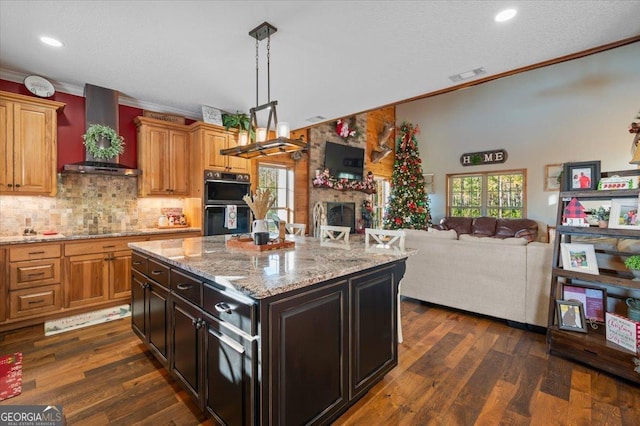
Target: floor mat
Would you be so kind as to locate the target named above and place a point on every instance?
(10, 375)
(85, 320)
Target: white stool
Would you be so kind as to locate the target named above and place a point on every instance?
(295, 228)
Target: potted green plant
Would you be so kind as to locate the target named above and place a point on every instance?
(633, 263)
(240, 121)
(603, 216)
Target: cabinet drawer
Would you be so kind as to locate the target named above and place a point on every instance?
(139, 263)
(34, 301)
(158, 272)
(34, 273)
(235, 309)
(35, 252)
(98, 246)
(188, 287)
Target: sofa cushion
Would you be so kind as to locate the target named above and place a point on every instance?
(462, 225)
(488, 240)
(519, 228)
(445, 235)
(484, 226)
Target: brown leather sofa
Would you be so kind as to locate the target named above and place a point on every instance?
(491, 227)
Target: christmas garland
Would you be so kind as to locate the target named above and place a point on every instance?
(95, 133)
(367, 186)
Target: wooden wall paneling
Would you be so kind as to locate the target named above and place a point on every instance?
(375, 124)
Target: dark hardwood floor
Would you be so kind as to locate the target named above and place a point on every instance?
(455, 369)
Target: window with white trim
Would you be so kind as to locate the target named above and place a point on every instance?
(496, 194)
(281, 183)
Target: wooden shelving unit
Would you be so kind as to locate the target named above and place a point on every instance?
(593, 348)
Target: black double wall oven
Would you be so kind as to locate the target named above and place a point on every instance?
(223, 192)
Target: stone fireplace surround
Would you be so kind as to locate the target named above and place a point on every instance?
(318, 136)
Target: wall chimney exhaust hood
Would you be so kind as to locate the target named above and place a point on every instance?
(101, 107)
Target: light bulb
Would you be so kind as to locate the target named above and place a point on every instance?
(261, 134)
(282, 130)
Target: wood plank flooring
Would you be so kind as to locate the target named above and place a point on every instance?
(455, 369)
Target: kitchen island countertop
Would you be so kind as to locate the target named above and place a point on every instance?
(267, 273)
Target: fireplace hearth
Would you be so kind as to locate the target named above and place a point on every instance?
(342, 214)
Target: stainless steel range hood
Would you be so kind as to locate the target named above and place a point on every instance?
(101, 107)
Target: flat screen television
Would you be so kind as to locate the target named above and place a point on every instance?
(344, 161)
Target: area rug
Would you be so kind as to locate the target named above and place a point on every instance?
(85, 320)
(10, 375)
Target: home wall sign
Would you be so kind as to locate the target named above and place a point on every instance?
(485, 157)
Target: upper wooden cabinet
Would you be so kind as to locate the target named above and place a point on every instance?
(28, 145)
(207, 141)
(163, 156)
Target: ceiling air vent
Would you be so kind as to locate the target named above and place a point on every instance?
(467, 74)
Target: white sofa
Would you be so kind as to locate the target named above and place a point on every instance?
(503, 278)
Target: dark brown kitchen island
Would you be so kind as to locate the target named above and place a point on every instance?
(282, 337)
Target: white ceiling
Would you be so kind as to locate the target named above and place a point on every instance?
(328, 58)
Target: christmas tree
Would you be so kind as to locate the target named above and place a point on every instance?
(408, 201)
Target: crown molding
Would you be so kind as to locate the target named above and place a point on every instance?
(72, 89)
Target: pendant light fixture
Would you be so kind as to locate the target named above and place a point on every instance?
(262, 145)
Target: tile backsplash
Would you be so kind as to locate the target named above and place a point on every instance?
(85, 204)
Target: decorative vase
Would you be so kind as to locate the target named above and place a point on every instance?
(603, 224)
(633, 308)
(259, 225)
(636, 274)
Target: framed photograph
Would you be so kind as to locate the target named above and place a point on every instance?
(581, 176)
(579, 258)
(624, 214)
(428, 183)
(594, 300)
(552, 178)
(211, 115)
(570, 315)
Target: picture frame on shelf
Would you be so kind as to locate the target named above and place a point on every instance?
(624, 214)
(594, 300)
(211, 115)
(579, 258)
(582, 176)
(552, 177)
(571, 315)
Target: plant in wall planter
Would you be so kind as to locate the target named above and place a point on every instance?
(633, 263)
(95, 133)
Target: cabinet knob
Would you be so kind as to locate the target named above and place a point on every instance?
(17, 185)
(10, 185)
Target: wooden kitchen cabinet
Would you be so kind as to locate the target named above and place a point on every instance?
(28, 145)
(34, 280)
(207, 141)
(97, 271)
(163, 156)
(150, 308)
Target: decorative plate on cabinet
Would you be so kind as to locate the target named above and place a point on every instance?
(39, 86)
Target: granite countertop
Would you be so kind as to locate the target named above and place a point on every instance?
(263, 274)
(41, 238)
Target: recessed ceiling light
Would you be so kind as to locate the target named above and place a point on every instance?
(505, 15)
(51, 41)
